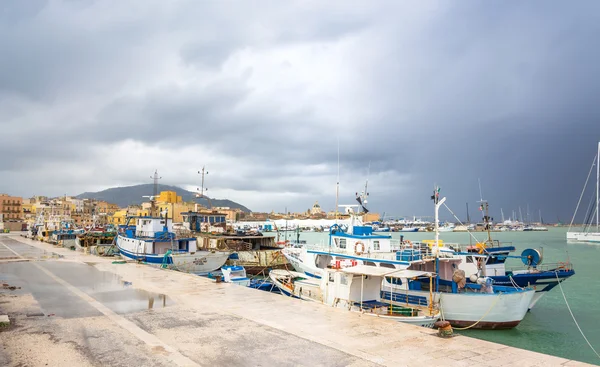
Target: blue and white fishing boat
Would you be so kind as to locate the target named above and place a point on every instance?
(487, 259)
(355, 245)
(152, 240)
(475, 305)
(236, 274)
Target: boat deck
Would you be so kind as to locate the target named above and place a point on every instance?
(64, 314)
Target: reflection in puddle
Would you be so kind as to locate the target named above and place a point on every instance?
(161, 297)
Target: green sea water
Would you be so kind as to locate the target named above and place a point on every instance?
(548, 328)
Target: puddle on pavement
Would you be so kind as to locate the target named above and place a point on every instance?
(112, 291)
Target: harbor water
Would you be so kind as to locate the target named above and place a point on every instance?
(549, 327)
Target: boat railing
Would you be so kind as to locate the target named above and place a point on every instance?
(321, 246)
(559, 266)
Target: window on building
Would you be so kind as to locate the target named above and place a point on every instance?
(376, 246)
(343, 243)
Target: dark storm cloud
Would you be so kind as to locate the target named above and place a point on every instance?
(421, 94)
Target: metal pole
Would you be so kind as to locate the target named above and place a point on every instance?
(362, 282)
(391, 296)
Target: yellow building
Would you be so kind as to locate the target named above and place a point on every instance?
(168, 197)
(119, 217)
(175, 210)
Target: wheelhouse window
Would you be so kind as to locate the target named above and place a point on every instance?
(343, 280)
(331, 279)
(343, 243)
(387, 265)
(376, 246)
(369, 263)
(469, 259)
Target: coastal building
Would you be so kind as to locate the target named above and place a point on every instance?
(316, 209)
(106, 208)
(176, 210)
(12, 212)
(168, 197)
(231, 214)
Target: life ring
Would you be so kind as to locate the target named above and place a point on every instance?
(408, 242)
(362, 248)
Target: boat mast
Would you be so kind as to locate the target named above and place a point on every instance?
(597, 185)
(437, 203)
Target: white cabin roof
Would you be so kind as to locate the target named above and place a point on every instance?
(381, 272)
(368, 270)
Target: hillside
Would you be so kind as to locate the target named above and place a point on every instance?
(132, 195)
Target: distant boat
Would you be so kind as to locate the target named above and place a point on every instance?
(409, 229)
(589, 234)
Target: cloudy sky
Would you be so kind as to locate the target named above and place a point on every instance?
(96, 94)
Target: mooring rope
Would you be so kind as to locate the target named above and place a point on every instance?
(482, 317)
(574, 320)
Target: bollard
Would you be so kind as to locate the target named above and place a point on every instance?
(218, 278)
(444, 329)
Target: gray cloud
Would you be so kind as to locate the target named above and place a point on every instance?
(97, 94)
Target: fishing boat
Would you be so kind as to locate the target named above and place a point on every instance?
(589, 233)
(469, 305)
(356, 244)
(478, 305)
(235, 274)
(357, 289)
(488, 259)
(152, 240)
(252, 250)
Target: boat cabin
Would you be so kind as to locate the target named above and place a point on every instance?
(205, 222)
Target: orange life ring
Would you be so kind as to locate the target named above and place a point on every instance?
(362, 246)
(409, 242)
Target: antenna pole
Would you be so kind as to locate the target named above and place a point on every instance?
(155, 178)
(337, 185)
(201, 195)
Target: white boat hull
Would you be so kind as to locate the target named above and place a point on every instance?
(190, 262)
(477, 310)
(493, 311)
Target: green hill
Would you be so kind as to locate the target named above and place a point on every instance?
(134, 195)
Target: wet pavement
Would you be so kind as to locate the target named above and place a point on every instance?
(72, 309)
(56, 300)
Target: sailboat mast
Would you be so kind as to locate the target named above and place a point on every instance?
(597, 185)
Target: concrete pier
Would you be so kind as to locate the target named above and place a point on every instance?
(83, 310)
